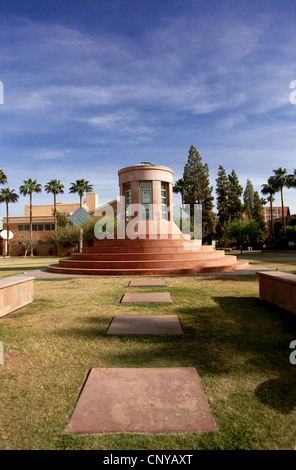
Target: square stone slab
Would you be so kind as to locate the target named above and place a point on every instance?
(147, 282)
(145, 325)
(152, 400)
(147, 297)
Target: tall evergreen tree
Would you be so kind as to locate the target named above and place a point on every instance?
(257, 212)
(198, 190)
(249, 198)
(236, 191)
(223, 193)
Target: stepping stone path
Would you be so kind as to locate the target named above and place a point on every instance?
(147, 283)
(157, 400)
(152, 400)
(145, 325)
(146, 297)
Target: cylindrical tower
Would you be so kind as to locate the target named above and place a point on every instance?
(149, 186)
(146, 195)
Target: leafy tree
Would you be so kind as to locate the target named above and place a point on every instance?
(62, 219)
(29, 187)
(8, 196)
(257, 212)
(80, 187)
(244, 232)
(290, 233)
(108, 227)
(236, 191)
(67, 236)
(199, 191)
(248, 198)
(269, 191)
(223, 193)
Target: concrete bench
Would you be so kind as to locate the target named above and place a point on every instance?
(15, 292)
(279, 288)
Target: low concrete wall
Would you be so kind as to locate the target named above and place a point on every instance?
(15, 292)
(279, 288)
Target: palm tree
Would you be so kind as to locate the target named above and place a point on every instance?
(180, 187)
(80, 187)
(269, 190)
(8, 195)
(55, 187)
(279, 180)
(29, 187)
(3, 177)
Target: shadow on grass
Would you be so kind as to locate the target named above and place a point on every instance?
(236, 335)
(95, 329)
(279, 393)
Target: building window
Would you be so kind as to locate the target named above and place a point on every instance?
(146, 200)
(23, 228)
(49, 227)
(37, 228)
(164, 209)
(128, 202)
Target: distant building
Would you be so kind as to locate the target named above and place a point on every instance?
(277, 212)
(42, 225)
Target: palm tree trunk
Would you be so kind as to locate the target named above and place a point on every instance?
(31, 218)
(7, 230)
(81, 231)
(271, 212)
(283, 215)
(55, 223)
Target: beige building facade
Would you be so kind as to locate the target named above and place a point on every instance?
(42, 226)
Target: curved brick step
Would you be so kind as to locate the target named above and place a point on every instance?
(147, 242)
(148, 249)
(140, 264)
(143, 256)
(146, 272)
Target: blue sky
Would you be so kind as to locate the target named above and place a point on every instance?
(93, 86)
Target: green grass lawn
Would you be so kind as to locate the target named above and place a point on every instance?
(17, 265)
(238, 344)
(279, 261)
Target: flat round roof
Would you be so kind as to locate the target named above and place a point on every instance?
(146, 165)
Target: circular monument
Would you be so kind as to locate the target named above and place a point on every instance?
(147, 241)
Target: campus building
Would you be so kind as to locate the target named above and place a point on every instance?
(277, 212)
(42, 226)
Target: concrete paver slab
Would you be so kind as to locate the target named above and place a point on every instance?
(152, 400)
(145, 325)
(146, 297)
(147, 282)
